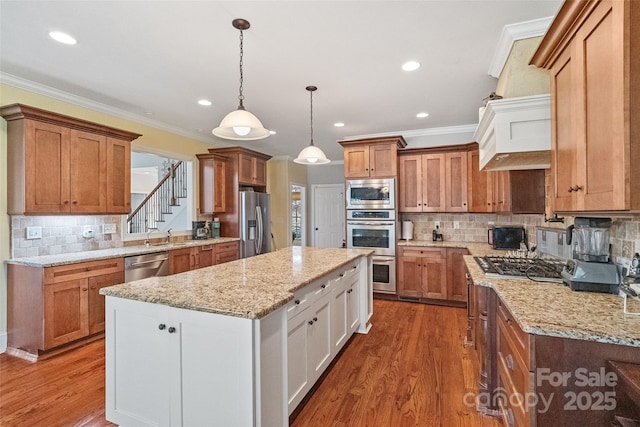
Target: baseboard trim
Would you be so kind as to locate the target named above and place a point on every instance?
(3, 342)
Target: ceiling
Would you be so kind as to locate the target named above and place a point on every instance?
(153, 60)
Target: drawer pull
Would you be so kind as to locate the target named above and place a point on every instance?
(510, 363)
(297, 301)
(323, 286)
(171, 329)
(162, 326)
(311, 322)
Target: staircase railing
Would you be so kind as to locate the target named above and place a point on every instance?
(158, 203)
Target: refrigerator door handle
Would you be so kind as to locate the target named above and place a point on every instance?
(259, 231)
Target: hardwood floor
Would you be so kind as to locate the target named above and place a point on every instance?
(411, 369)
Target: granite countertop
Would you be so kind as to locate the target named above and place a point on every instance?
(552, 309)
(100, 254)
(250, 287)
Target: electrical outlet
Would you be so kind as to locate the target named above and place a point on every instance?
(456, 224)
(109, 229)
(437, 224)
(34, 233)
(490, 223)
(87, 231)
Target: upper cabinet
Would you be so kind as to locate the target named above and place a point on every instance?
(592, 51)
(433, 181)
(223, 171)
(372, 158)
(213, 183)
(58, 164)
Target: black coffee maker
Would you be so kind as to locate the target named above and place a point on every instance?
(200, 230)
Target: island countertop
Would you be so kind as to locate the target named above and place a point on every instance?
(249, 288)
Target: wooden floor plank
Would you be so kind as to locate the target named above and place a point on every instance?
(412, 369)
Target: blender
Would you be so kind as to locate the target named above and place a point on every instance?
(590, 269)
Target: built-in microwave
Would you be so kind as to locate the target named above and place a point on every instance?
(371, 194)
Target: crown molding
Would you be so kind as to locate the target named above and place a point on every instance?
(50, 92)
(512, 33)
(416, 133)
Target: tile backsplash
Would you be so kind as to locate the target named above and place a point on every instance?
(62, 234)
(624, 238)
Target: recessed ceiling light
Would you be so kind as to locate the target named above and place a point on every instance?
(422, 115)
(339, 124)
(410, 65)
(62, 37)
(204, 102)
(272, 132)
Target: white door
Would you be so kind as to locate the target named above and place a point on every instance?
(328, 215)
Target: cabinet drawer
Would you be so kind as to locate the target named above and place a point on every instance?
(299, 304)
(226, 252)
(519, 338)
(82, 270)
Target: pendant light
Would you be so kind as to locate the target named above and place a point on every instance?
(241, 124)
(311, 155)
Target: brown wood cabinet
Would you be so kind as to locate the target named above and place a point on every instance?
(213, 183)
(242, 168)
(591, 51)
(372, 158)
(479, 193)
(59, 164)
(252, 170)
(433, 180)
(186, 259)
(49, 307)
(432, 273)
(226, 252)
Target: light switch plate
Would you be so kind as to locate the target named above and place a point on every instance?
(109, 228)
(34, 233)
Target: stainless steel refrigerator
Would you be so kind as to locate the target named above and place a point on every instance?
(255, 223)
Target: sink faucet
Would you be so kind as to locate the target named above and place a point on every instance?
(169, 235)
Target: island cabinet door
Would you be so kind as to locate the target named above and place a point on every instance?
(174, 367)
(298, 373)
(353, 305)
(320, 348)
(339, 308)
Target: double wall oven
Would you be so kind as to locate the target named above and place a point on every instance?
(371, 224)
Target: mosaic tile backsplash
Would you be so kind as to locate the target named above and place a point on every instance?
(63, 234)
(625, 232)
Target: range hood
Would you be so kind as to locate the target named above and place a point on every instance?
(515, 133)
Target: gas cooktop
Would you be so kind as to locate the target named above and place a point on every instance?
(512, 267)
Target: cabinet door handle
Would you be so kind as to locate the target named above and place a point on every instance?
(162, 326)
(171, 329)
(297, 301)
(66, 202)
(315, 319)
(75, 202)
(310, 322)
(84, 289)
(93, 286)
(323, 286)
(570, 190)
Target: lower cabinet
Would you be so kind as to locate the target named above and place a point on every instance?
(432, 273)
(64, 304)
(173, 367)
(321, 319)
(186, 259)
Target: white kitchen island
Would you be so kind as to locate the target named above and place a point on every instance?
(237, 344)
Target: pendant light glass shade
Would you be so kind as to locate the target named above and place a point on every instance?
(311, 155)
(241, 124)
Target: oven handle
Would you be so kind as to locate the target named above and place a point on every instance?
(383, 258)
(372, 224)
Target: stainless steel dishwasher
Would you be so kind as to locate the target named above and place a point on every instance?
(148, 265)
